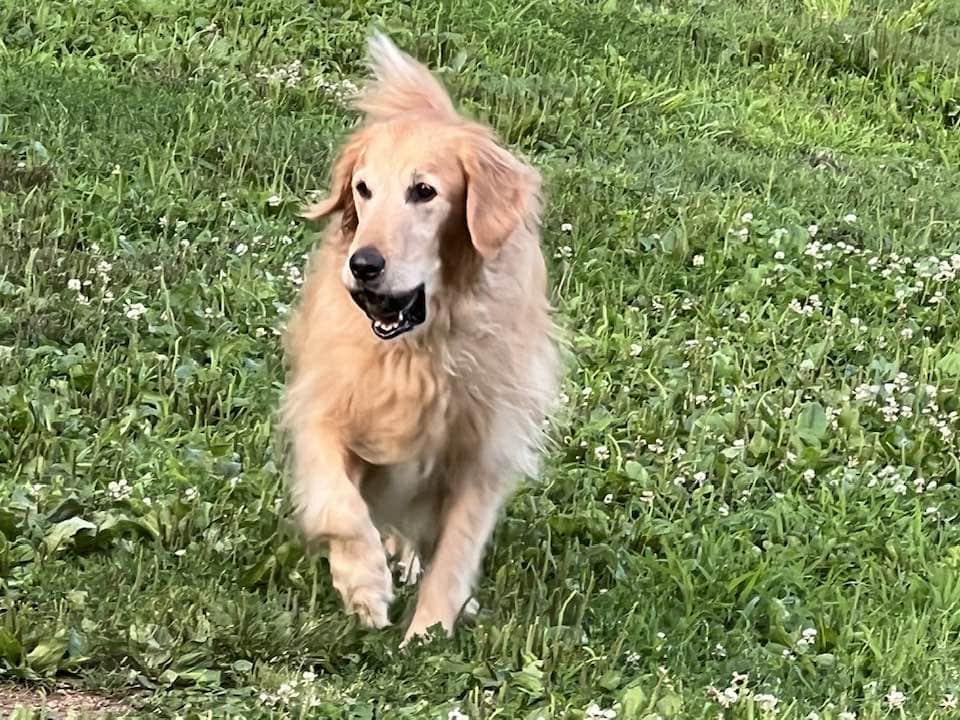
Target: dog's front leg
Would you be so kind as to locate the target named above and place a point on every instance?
(467, 521)
(327, 477)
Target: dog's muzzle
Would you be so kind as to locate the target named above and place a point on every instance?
(392, 315)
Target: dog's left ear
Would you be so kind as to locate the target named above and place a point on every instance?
(341, 187)
(501, 193)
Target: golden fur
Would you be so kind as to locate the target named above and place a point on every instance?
(416, 441)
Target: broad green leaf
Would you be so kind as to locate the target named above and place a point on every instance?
(64, 532)
(949, 364)
(46, 656)
(635, 471)
(634, 702)
(812, 422)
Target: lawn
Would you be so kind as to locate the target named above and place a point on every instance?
(750, 506)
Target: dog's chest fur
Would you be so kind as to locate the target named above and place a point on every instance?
(401, 410)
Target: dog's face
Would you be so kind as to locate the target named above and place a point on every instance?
(407, 196)
(409, 190)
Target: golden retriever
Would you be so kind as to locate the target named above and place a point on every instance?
(422, 355)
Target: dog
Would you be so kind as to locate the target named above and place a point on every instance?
(423, 360)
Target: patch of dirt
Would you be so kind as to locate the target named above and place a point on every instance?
(61, 703)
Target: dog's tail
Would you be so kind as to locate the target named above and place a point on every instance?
(400, 84)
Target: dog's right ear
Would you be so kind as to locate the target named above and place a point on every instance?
(341, 187)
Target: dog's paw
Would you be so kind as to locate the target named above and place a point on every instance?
(363, 580)
(418, 636)
(423, 630)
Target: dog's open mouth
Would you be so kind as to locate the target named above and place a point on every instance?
(392, 315)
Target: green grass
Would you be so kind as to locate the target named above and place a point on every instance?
(760, 436)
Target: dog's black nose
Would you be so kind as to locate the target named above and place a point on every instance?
(367, 264)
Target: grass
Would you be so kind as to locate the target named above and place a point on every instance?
(756, 468)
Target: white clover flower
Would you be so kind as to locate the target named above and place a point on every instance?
(119, 489)
(74, 284)
(295, 276)
(601, 453)
(850, 218)
(747, 217)
(134, 311)
(595, 712)
(455, 714)
(163, 221)
(767, 702)
(895, 699)
(636, 349)
(949, 702)
(241, 249)
(812, 230)
(566, 227)
(286, 691)
(190, 494)
(274, 200)
(698, 260)
(809, 474)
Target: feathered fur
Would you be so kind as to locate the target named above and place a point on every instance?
(400, 85)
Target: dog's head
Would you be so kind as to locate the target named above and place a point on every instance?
(425, 196)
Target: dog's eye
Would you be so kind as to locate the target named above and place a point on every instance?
(421, 192)
(363, 190)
